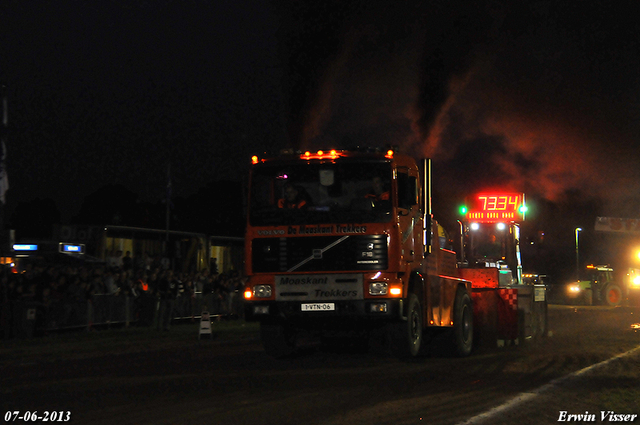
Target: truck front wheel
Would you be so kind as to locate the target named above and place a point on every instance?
(278, 339)
(462, 332)
(407, 338)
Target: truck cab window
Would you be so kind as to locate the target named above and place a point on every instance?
(407, 191)
(320, 193)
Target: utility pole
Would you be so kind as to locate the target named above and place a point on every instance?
(167, 217)
(4, 179)
(168, 210)
(578, 230)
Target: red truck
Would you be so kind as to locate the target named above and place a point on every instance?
(345, 242)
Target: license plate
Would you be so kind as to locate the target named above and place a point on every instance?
(319, 307)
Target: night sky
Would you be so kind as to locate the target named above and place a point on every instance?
(115, 91)
(541, 97)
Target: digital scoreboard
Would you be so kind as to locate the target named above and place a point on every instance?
(492, 207)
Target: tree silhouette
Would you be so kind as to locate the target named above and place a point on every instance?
(111, 204)
(215, 209)
(35, 219)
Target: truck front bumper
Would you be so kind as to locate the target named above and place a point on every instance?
(386, 309)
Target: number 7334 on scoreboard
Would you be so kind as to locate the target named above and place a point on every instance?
(495, 207)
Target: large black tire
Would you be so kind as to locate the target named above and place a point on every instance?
(278, 339)
(612, 295)
(407, 338)
(462, 332)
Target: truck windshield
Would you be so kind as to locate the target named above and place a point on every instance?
(487, 243)
(303, 193)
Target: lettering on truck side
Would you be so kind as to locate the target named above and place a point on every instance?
(347, 286)
(309, 280)
(321, 230)
(335, 293)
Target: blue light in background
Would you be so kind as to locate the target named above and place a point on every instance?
(25, 247)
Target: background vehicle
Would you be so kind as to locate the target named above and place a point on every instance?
(490, 258)
(599, 288)
(534, 279)
(633, 286)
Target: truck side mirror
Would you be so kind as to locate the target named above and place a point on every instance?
(407, 191)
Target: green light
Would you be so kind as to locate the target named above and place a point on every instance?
(523, 209)
(463, 209)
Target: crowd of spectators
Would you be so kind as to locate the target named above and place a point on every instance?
(145, 293)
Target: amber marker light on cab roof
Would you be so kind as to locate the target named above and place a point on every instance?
(254, 159)
(332, 154)
(389, 154)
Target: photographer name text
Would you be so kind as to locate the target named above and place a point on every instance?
(605, 416)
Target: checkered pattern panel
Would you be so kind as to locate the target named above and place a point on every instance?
(510, 296)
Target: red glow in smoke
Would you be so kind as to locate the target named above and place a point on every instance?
(561, 153)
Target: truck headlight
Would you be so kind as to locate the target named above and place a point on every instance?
(635, 282)
(378, 288)
(262, 291)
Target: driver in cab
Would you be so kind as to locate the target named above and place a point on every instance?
(377, 193)
(292, 198)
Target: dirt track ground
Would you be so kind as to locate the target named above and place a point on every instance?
(140, 376)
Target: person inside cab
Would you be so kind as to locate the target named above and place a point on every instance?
(378, 192)
(490, 248)
(293, 198)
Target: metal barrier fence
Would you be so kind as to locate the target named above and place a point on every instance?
(24, 318)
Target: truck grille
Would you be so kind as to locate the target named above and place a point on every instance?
(320, 253)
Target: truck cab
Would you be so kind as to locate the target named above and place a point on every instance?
(341, 240)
